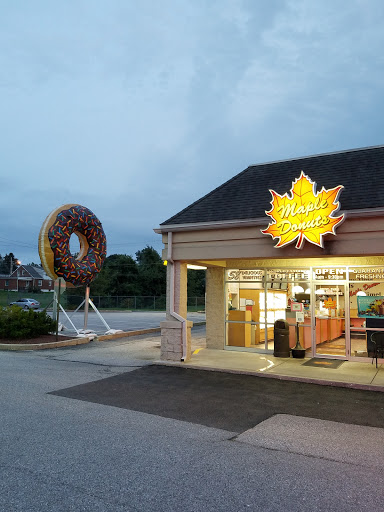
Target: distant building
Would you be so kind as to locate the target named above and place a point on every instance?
(26, 278)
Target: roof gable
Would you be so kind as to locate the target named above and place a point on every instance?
(34, 272)
(246, 196)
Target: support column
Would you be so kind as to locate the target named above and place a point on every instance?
(214, 308)
(172, 329)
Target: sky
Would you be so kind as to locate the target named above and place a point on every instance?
(136, 109)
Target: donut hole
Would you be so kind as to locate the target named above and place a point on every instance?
(74, 245)
(78, 245)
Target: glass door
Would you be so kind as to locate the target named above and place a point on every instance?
(329, 329)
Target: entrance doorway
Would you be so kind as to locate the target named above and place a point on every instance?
(329, 300)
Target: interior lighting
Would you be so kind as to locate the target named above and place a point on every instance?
(361, 294)
(297, 289)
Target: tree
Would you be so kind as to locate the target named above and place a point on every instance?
(196, 283)
(152, 274)
(8, 264)
(119, 276)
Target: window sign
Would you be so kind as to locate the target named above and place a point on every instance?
(370, 307)
(287, 274)
(304, 214)
(366, 274)
(320, 274)
(330, 304)
(245, 275)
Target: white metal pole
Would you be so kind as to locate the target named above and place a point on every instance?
(86, 307)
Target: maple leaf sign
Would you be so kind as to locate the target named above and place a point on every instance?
(303, 215)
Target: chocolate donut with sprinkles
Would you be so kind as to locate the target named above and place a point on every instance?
(54, 250)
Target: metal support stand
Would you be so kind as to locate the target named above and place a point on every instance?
(298, 352)
(86, 307)
(99, 314)
(56, 310)
(86, 302)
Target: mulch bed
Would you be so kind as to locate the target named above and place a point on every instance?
(45, 338)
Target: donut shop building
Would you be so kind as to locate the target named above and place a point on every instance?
(300, 240)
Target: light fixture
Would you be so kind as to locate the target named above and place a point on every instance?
(297, 289)
(307, 291)
(190, 266)
(361, 294)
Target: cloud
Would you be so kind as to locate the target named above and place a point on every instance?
(137, 110)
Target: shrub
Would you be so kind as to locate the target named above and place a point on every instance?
(16, 323)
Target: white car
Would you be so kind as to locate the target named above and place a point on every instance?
(26, 303)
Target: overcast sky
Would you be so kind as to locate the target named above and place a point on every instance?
(135, 109)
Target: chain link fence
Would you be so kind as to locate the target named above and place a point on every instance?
(132, 303)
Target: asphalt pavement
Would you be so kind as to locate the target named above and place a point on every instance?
(62, 453)
(228, 401)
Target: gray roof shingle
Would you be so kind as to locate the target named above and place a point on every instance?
(246, 196)
(35, 272)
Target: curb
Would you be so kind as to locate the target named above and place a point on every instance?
(80, 341)
(126, 334)
(41, 346)
(304, 380)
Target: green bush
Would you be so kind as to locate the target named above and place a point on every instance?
(16, 323)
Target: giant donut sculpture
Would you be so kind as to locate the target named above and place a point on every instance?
(54, 251)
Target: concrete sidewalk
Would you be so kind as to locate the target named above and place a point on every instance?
(349, 374)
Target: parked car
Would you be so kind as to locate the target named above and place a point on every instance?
(26, 303)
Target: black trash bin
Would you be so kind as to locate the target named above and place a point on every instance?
(281, 339)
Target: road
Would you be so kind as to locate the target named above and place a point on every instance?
(60, 453)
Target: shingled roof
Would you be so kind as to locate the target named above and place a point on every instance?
(246, 196)
(34, 272)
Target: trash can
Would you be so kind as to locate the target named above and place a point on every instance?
(281, 339)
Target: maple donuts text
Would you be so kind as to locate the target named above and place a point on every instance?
(290, 210)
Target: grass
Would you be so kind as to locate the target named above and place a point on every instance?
(7, 297)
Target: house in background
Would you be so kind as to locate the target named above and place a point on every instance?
(26, 278)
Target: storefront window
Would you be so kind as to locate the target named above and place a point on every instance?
(245, 300)
(366, 295)
(340, 308)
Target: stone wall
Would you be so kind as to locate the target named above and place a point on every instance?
(214, 308)
(171, 329)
